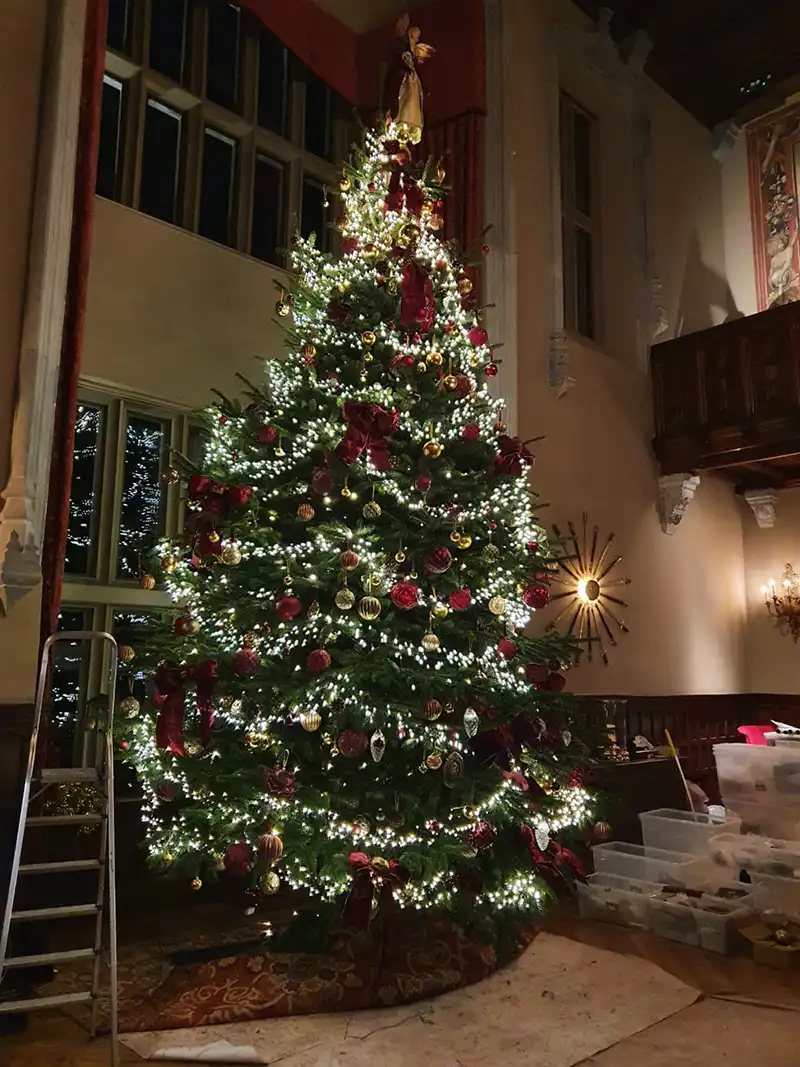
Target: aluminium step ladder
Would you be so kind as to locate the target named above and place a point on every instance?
(101, 776)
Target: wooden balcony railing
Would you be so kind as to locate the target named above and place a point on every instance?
(729, 397)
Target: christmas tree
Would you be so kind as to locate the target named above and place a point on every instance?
(345, 701)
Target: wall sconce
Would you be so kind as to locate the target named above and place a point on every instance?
(587, 577)
(784, 606)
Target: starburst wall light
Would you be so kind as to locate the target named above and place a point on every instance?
(586, 573)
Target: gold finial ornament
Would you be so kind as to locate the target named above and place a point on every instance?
(410, 115)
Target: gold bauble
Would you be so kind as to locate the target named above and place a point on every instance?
(196, 884)
(287, 579)
(432, 449)
(368, 338)
(305, 512)
(344, 183)
(310, 721)
(192, 747)
(474, 360)
(369, 608)
(464, 286)
(400, 556)
(371, 510)
(449, 708)
(279, 452)
(346, 492)
(491, 553)
(380, 864)
(435, 358)
(433, 709)
(450, 382)
(372, 583)
(411, 233)
(422, 367)
(498, 605)
(434, 761)
(464, 541)
(455, 536)
(440, 610)
(129, 707)
(147, 581)
(169, 563)
(349, 560)
(603, 831)
(435, 222)
(170, 476)
(167, 858)
(344, 599)
(370, 250)
(231, 555)
(250, 639)
(283, 308)
(269, 883)
(431, 643)
(214, 537)
(125, 654)
(309, 351)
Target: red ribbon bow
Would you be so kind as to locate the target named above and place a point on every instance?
(170, 700)
(417, 304)
(372, 878)
(215, 497)
(550, 862)
(368, 426)
(514, 456)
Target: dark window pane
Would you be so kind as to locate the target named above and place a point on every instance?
(168, 37)
(314, 212)
(223, 48)
(584, 283)
(84, 491)
(196, 448)
(161, 158)
(582, 161)
(108, 160)
(217, 187)
(267, 228)
(317, 138)
(141, 520)
(273, 75)
(118, 25)
(130, 628)
(70, 668)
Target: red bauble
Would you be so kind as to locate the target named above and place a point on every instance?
(270, 847)
(349, 244)
(463, 385)
(318, 661)
(404, 596)
(279, 782)
(438, 560)
(536, 596)
(532, 547)
(186, 626)
(460, 600)
(268, 435)
(288, 607)
(246, 662)
(239, 495)
(352, 742)
(555, 682)
(349, 559)
(423, 483)
(482, 836)
(507, 648)
(575, 779)
(322, 481)
(471, 432)
(537, 673)
(490, 370)
(478, 336)
(449, 327)
(238, 858)
(485, 249)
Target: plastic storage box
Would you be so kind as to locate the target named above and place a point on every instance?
(780, 894)
(684, 831)
(699, 919)
(648, 864)
(615, 899)
(753, 853)
(767, 769)
(766, 815)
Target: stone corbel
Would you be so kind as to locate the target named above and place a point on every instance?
(24, 498)
(763, 502)
(723, 139)
(559, 369)
(676, 493)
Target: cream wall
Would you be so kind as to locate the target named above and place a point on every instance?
(739, 258)
(687, 612)
(21, 51)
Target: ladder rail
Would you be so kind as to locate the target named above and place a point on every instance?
(107, 848)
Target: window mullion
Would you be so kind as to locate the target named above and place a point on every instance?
(108, 493)
(193, 162)
(116, 477)
(134, 140)
(246, 162)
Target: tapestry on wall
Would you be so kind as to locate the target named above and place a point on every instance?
(773, 148)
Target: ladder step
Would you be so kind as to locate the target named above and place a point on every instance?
(46, 958)
(68, 912)
(63, 820)
(12, 1007)
(67, 774)
(57, 868)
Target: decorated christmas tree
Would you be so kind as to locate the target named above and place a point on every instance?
(345, 700)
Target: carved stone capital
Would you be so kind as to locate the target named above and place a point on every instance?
(559, 370)
(676, 492)
(723, 139)
(20, 567)
(763, 502)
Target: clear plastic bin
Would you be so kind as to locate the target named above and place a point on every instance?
(718, 922)
(648, 864)
(770, 769)
(752, 853)
(699, 919)
(684, 831)
(766, 815)
(674, 920)
(780, 894)
(615, 899)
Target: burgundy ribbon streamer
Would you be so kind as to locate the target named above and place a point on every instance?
(417, 304)
(550, 863)
(215, 497)
(368, 880)
(368, 426)
(514, 457)
(170, 701)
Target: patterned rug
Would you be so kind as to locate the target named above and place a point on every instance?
(415, 959)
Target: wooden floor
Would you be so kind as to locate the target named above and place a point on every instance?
(52, 1040)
